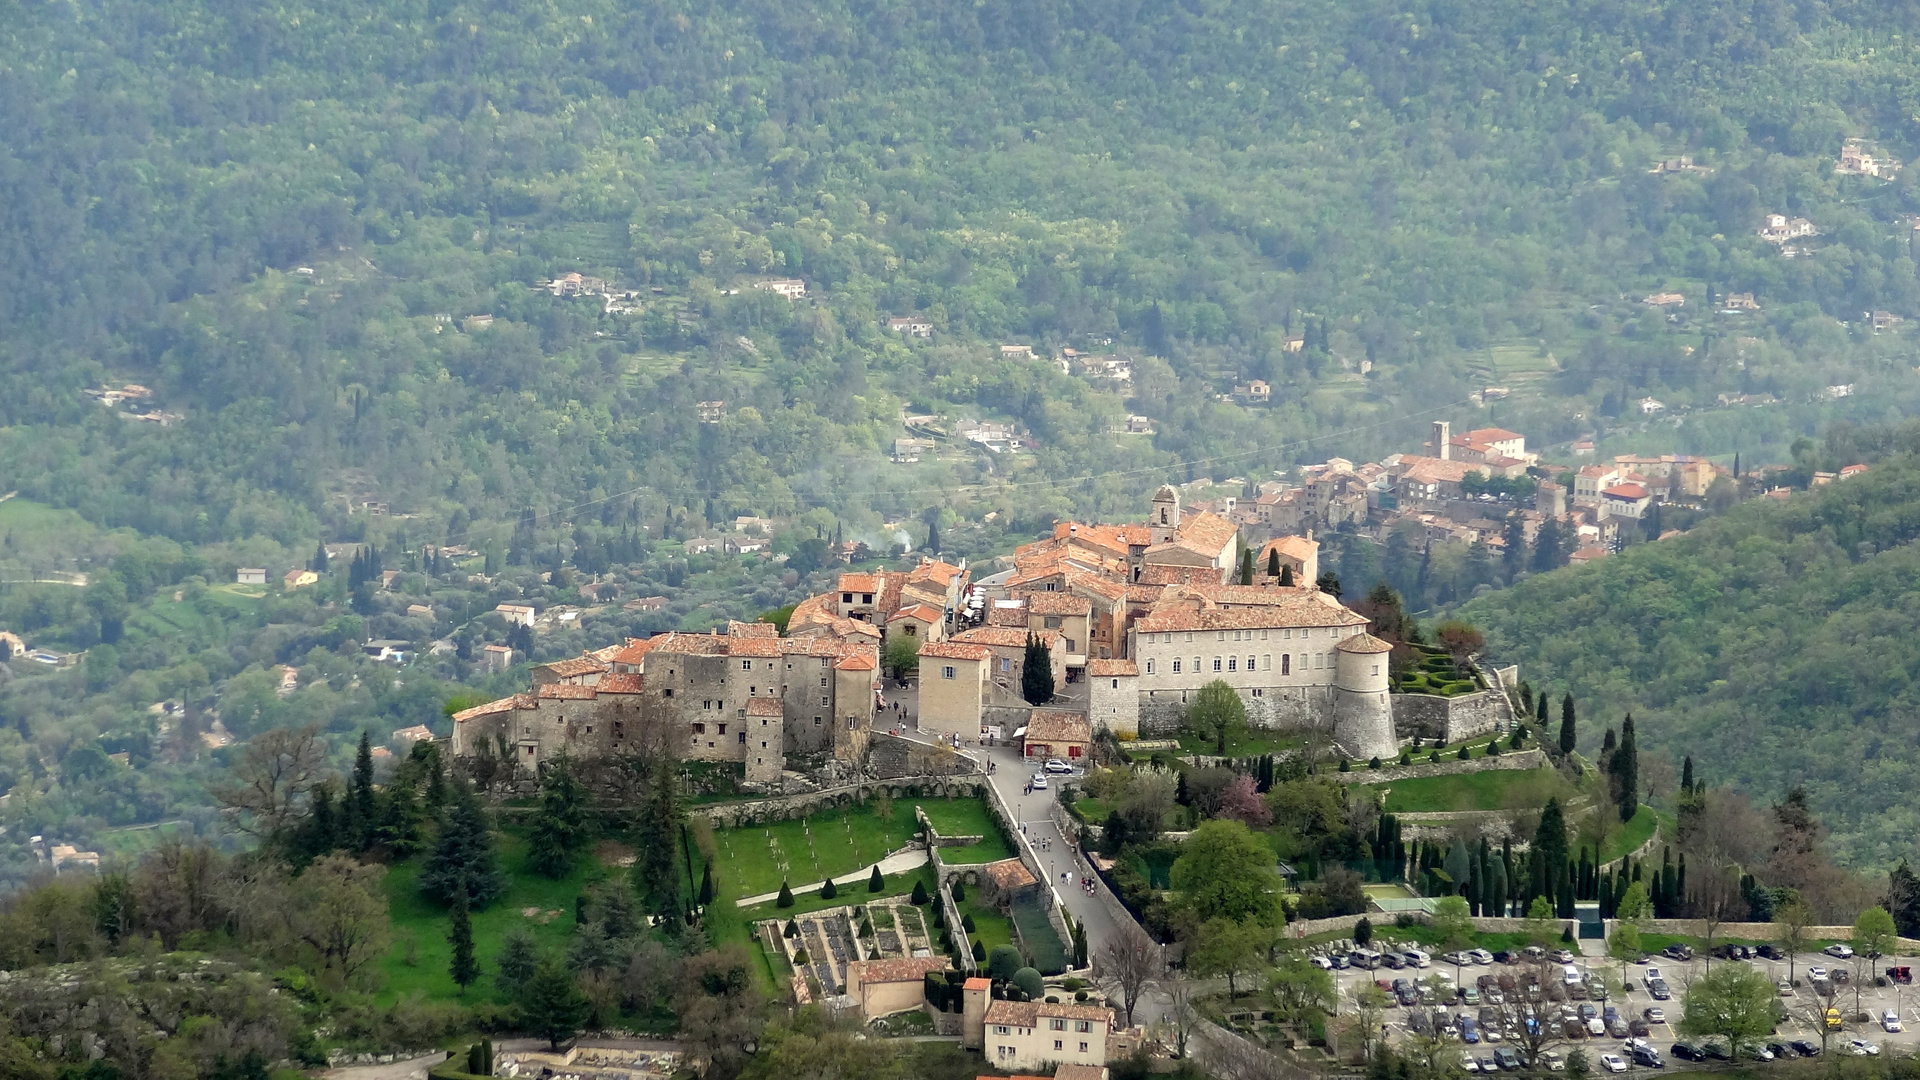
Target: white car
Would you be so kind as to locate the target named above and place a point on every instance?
(1890, 1022)
(1612, 1063)
(1862, 1048)
(1480, 956)
(1418, 958)
(1055, 765)
(1839, 951)
(1553, 1061)
(1651, 973)
(1816, 973)
(1040, 781)
(1322, 963)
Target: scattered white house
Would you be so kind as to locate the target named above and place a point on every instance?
(1649, 406)
(791, 288)
(496, 657)
(250, 575)
(516, 614)
(916, 325)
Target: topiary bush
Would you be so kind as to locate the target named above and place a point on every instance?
(920, 897)
(1345, 765)
(1028, 980)
(785, 898)
(1406, 757)
(966, 923)
(1433, 757)
(959, 891)
(829, 890)
(1005, 962)
(1465, 754)
(1374, 763)
(979, 952)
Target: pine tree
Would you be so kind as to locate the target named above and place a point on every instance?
(360, 820)
(460, 934)
(1329, 583)
(1569, 736)
(656, 872)
(560, 825)
(463, 856)
(551, 1006)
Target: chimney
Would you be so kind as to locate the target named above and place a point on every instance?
(1442, 440)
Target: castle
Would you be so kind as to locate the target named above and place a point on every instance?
(1142, 616)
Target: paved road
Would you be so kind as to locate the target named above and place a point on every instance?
(410, 1069)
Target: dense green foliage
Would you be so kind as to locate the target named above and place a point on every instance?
(1774, 645)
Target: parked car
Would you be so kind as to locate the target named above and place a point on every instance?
(1562, 956)
(1646, 1057)
(1688, 1051)
(1780, 1049)
(1612, 1063)
(1552, 1060)
(1833, 1019)
(1863, 1048)
(1392, 960)
(1618, 1028)
(1340, 961)
(1716, 1050)
(1753, 1051)
(1416, 958)
(1657, 989)
(1840, 975)
(1469, 1030)
(1504, 956)
(1470, 995)
(1902, 975)
(1805, 1047)
(1480, 956)
(1039, 781)
(1839, 951)
(1655, 1014)
(1816, 972)
(1533, 952)
(1772, 953)
(1055, 765)
(1677, 951)
(1506, 1059)
(1322, 962)
(1786, 988)
(1890, 1021)
(1418, 1023)
(1639, 1028)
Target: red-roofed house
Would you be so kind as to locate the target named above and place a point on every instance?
(1625, 500)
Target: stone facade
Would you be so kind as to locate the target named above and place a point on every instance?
(1113, 696)
(1449, 720)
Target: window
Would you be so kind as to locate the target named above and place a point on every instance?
(1266, 661)
(743, 738)
(668, 692)
(1216, 663)
(823, 682)
(1056, 1044)
(1051, 622)
(699, 729)
(753, 691)
(946, 672)
(846, 598)
(1257, 692)
(1176, 666)
(1002, 1030)
(1250, 663)
(723, 729)
(849, 723)
(1189, 635)
(589, 729)
(1196, 665)
(1222, 637)
(1286, 663)
(824, 702)
(746, 665)
(1376, 669)
(866, 598)
(1116, 683)
(1083, 1048)
(1233, 664)
(816, 721)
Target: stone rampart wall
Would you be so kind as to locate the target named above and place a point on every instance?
(787, 807)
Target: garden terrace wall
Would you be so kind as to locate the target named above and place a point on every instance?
(1449, 719)
(1287, 708)
(1516, 760)
(788, 807)
(895, 758)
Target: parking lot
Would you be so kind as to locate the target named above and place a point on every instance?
(1508, 992)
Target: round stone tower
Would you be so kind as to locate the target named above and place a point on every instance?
(1362, 715)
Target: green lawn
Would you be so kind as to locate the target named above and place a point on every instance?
(1248, 743)
(1091, 810)
(956, 817)
(1499, 790)
(842, 844)
(990, 928)
(990, 849)
(423, 922)
(1636, 832)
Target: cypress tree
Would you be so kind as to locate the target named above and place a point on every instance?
(1286, 575)
(1626, 767)
(360, 808)
(1568, 734)
(1036, 672)
(1246, 566)
(1540, 711)
(560, 824)
(1273, 564)
(460, 934)
(1686, 776)
(706, 885)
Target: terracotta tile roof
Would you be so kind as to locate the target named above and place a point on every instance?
(1007, 616)
(857, 583)
(1005, 637)
(1363, 643)
(695, 644)
(935, 570)
(634, 652)
(620, 682)
(1492, 435)
(1071, 1071)
(855, 663)
(1057, 603)
(1009, 874)
(1298, 548)
(1102, 669)
(1028, 1014)
(753, 646)
(897, 969)
(764, 706)
(925, 613)
(566, 692)
(1257, 596)
(923, 592)
(569, 669)
(1107, 590)
(1243, 618)
(1208, 532)
(606, 655)
(738, 629)
(1626, 491)
(1058, 726)
(501, 705)
(1163, 574)
(1429, 470)
(977, 983)
(955, 650)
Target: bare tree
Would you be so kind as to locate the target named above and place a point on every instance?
(337, 909)
(278, 768)
(1717, 900)
(1181, 1016)
(1127, 966)
(1791, 919)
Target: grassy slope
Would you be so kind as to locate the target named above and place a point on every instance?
(1505, 790)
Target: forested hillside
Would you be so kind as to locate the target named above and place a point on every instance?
(1446, 193)
(1776, 645)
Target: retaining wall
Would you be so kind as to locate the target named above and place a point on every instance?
(787, 807)
(1516, 760)
(1449, 719)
